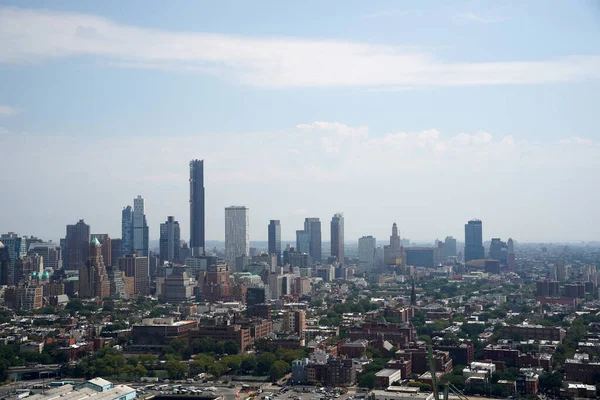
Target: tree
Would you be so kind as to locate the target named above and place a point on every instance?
(176, 369)
(230, 347)
(264, 362)
(278, 370)
(367, 380)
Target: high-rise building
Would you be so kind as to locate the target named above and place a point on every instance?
(140, 228)
(313, 227)
(216, 283)
(511, 260)
(126, 231)
(337, 237)
(17, 248)
(50, 251)
(93, 278)
(474, 240)
(27, 298)
(275, 239)
(116, 246)
(393, 253)
(498, 251)
(237, 233)
(169, 240)
(136, 267)
(449, 247)
(294, 321)
(178, 287)
(4, 265)
(27, 268)
(77, 244)
(366, 253)
(197, 221)
(303, 242)
(106, 243)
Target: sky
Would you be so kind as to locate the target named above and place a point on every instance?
(426, 114)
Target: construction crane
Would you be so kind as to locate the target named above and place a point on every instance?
(448, 387)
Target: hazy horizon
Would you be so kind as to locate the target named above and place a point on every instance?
(423, 114)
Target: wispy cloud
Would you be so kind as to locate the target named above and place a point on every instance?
(7, 111)
(35, 36)
(472, 16)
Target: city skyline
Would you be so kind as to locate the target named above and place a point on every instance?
(428, 125)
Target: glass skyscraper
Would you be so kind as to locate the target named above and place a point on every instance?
(197, 221)
(275, 239)
(474, 241)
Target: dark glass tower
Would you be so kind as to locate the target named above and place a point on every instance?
(313, 227)
(197, 236)
(337, 237)
(474, 241)
(275, 239)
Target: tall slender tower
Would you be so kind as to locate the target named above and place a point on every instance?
(127, 231)
(511, 260)
(140, 228)
(197, 221)
(337, 237)
(313, 227)
(93, 279)
(275, 239)
(237, 233)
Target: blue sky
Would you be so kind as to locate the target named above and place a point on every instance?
(423, 113)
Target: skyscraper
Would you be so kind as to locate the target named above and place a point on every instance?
(313, 227)
(106, 243)
(197, 234)
(449, 247)
(498, 251)
(366, 253)
(237, 233)
(17, 248)
(302, 242)
(169, 240)
(127, 231)
(474, 240)
(392, 253)
(77, 244)
(93, 278)
(511, 255)
(337, 237)
(140, 228)
(4, 264)
(275, 239)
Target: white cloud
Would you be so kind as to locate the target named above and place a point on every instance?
(374, 178)
(7, 111)
(28, 35)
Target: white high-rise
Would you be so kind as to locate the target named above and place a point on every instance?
(237, 233)
(140, 228)
(366, 253)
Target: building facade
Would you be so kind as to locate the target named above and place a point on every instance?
(93, 278)
(77, 244)
(140, 228)
(337, 237)
(237, 233)
(275, 239)
(136, 267)
(169, 240)
(393, 253)
(106, 243)
(197, 207)
(474, 240)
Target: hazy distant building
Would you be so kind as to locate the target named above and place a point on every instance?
(337, 237)
(511, 259)
(498, 251)
(169, 240)
(449, 247)
(126, 231)
(303, 241)
(106, 243)
(393, 253)
(77, 244)
(178, 287)
(197, 207)
(26, 298)
(141, 237)
(420, 256)
(27, 268)
(237, 233)
(216, 283)
(474, 241)
(136, 267)
(93, 278)
(312, 226)
(275, 239)
(366, 253)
